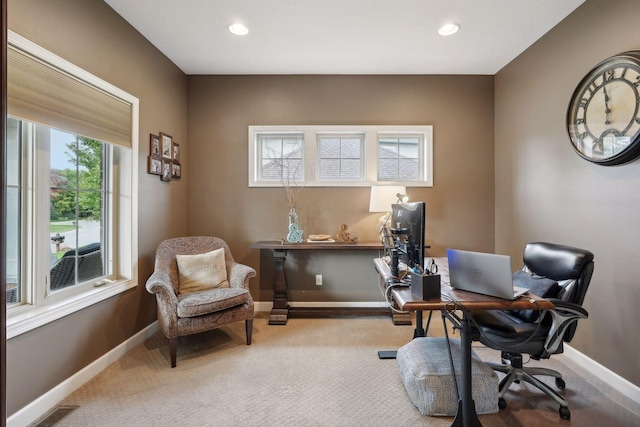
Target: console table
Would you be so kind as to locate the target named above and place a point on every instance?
(281, 310)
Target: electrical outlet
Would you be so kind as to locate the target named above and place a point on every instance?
(318, 279)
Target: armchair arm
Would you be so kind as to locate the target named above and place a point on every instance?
(239, 275)
(159, 283)
(564, 315)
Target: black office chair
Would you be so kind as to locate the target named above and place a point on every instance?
(566, 272)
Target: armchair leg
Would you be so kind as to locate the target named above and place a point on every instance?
(173, 350)
(248, 324)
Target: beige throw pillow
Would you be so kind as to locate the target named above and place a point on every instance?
(201, 272)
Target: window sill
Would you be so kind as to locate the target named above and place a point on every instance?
(28, 319)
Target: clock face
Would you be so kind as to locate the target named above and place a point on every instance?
(603, 119)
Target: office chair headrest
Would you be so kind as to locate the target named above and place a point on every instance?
(557, 262)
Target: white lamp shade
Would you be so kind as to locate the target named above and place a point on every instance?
(383, 196)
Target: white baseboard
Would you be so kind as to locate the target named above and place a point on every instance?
(267, 305)
(604, 374)
(47, 401)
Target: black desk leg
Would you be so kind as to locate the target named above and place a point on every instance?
(466, 415)
(418, 332)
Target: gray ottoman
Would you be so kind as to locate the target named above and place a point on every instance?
(425, 370)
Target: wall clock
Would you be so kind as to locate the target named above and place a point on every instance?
(603, 118)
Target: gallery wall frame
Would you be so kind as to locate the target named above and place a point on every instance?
(164, 157)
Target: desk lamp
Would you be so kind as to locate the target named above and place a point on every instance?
(382, 197)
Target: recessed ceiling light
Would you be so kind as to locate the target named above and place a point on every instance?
(238, 29)
(448, 29)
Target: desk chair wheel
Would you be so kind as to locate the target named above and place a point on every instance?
(560, 383)
(564, 413)
(502, 403)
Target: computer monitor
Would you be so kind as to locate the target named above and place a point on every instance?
(407, 227)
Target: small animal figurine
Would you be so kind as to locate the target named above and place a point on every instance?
(344, 236)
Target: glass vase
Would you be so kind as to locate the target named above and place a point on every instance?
(293, 217)
(294, 234)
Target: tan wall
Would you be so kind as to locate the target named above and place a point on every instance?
(460, 205)
(544, 191)
(91, 35)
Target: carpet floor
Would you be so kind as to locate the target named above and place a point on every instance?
(311, 372)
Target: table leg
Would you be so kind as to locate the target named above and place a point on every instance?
(280, 311)
(466, 415)
(419, 332)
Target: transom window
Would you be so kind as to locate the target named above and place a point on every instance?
(280, 156)
(326, 156)
(399, 158)
(340, 157)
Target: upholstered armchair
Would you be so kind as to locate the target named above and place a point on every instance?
(185, 313)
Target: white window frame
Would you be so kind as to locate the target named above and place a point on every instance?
(36, 312)
(370, 154)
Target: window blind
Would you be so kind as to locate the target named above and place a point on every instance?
(42, 93)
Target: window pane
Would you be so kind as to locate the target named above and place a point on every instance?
(409, 169)
(388, 150)
(399, 158)
(388, 169)
(409, 148)
(13, 213)
(329, 168)
(76, 209)
(350, 169)
(281, 158)
(330, 148)
(351, 148)
(340, 157)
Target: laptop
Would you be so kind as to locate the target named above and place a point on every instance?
(483, 273)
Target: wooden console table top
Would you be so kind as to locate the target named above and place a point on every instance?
(283, 246)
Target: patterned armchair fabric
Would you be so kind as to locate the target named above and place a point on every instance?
(185, 314)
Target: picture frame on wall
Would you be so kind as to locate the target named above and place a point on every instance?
(176, 153)
(166, 170)
(166, 145)
(176, 171)
(155, 165)
(154, 146)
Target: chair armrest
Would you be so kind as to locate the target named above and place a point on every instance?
(563, 316)
(159, 283)
(239, 275)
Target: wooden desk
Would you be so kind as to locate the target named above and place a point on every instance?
(281, 310)
(450, 301)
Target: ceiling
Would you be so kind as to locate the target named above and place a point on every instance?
(343, 36)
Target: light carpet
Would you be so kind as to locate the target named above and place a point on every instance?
(311, 372)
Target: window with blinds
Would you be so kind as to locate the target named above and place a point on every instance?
(72, 200)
